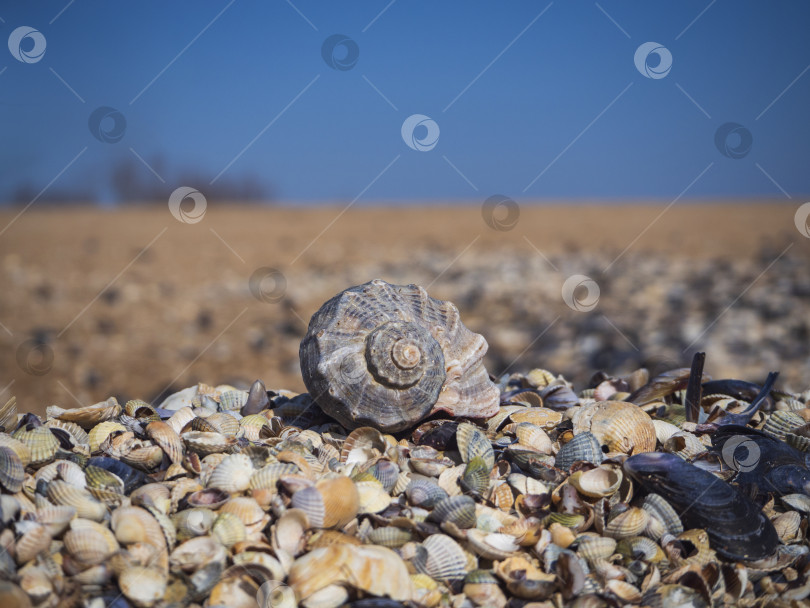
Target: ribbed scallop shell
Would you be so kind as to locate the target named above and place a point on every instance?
(476, 475)
(584, 446)
(100, 432)
(229, 529)
(34, 541)
(248, 510)
(103, 479)
(224, 423)
(233, 400)
(22, 451)
(684, 444)
(169, 441)
(387, 356)
(12, 471)
(136, 408)
(90, 543)
(207, 443)
(657, 506)
(459, 510)
(628, 523)
(622, 426)
(640, 547)
(56, 518)
(390, 537)
(40, 442)
(62, 493)
(78, 434)
(268, 475)
(473, 443)
(424, 493)
(593, 547)
(446, 560)
(232, 474)
(8, 414)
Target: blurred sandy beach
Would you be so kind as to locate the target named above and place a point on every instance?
(133, 303)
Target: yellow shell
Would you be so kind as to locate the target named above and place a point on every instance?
(90, 543)
(143, 586)
(628, 523)
(33, 542)
(18, 447)
(249, 511)
(229, 529)
(62, 493)
(40, 442)
(622, 426)
(370, 568)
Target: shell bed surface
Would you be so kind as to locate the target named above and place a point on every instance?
(221, 496)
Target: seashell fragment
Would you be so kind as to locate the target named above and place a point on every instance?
(387, 356)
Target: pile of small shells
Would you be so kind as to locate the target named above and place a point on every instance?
(226, 497)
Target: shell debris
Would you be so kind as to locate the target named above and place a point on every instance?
(408, 476)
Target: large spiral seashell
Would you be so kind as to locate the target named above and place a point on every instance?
(387, 356)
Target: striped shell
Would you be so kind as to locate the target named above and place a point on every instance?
(584, 446)
(12, 471)
(623, 427)
(40, 441)
(446, 560)
(388, 356)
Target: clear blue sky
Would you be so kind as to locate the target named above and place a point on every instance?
(510, 91)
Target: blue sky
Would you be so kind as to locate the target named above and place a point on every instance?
(533, 100)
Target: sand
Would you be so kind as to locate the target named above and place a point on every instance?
(134, 303)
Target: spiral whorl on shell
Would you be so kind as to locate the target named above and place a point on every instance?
(387, 356)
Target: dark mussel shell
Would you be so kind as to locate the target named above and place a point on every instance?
(739, 389)
(132, 478)
(737, 528)
(762, 462)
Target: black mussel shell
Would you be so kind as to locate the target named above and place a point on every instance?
(763, 463)
(737, 528)
(132, 478)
